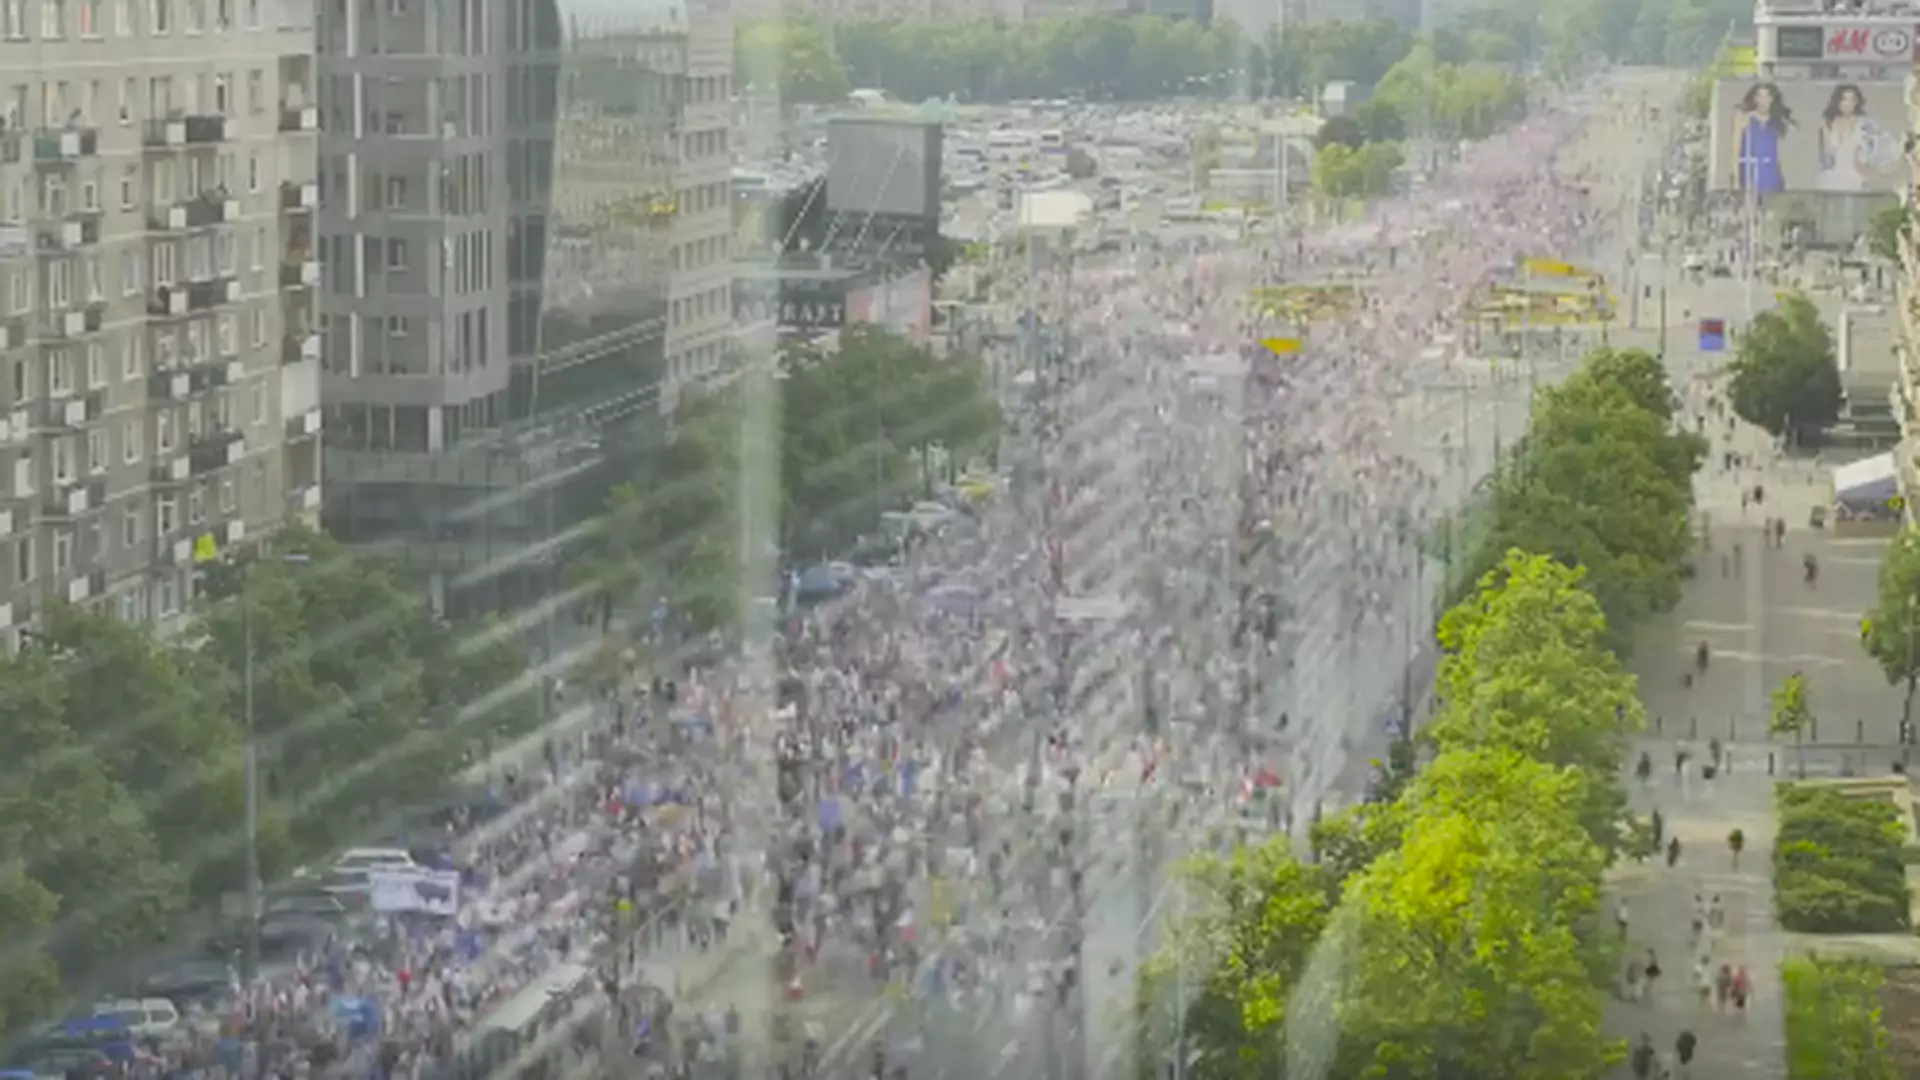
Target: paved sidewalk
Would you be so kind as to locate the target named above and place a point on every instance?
(1729, 702)
(1733, 1045)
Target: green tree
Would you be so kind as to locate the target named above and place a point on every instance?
(1255, 917)
(1339, 131)
(1379, 122)
(1469, 956)
(339, 694)
(1604, 483)
(1526, 668)
(1785, 378)
(1639, 373)
(1790, 713)
(796, 58)
(79, 834)
(1891, 631)
(1348, 841)
(162, 703)
(31, 989)
(1886, 229)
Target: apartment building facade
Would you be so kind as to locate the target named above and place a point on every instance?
(156, 273)
(522, 252)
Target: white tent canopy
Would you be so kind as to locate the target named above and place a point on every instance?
(1868, 482)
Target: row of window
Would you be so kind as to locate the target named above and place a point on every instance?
(54, 198)
(70, 282)
(76, 104)
(171, 347)
(91, 19)
(72, 549)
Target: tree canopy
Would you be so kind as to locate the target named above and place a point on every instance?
(858, 427)
(1785, 375)
(1457, 933)
(362, 702)
(1602, 481)
(1890, 632)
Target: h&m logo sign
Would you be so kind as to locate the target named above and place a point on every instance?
(1871, 43)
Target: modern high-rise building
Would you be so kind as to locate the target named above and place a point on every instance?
(526, 233)
(156, 278)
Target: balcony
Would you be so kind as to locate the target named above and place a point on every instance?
(304, 499)
(166, 301)
(162, 134)
(304, 118)
(169, 386)
(87, 586)
(16, 427)
(74, 412)
(207, 295)
(299, 272)
(206, 128)
(64, 147)
(215, 450)
(304, 425)
(66, 325)
(57, 237)
(297, 348)
(12, 147)
(173, 552)
(6, 522)
(74, 498)
(13, 334)
(207, 209)
(174, 469)
(230, 373)
(297, 197)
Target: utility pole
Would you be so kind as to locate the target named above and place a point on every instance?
(251, 765)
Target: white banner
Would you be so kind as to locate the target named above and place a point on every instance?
(433, 892)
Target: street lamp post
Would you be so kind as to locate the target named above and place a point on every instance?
(251, 767)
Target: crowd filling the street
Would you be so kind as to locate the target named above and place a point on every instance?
(1256, 691)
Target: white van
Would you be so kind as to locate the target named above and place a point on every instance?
(146, 1018)
(367, 860)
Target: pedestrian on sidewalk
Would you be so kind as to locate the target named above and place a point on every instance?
(1673, 850)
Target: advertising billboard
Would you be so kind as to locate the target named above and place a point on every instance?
(1771, 136)
(887, 166)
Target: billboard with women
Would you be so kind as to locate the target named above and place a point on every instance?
(1803, 135)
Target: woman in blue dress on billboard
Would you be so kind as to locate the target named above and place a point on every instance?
(1760, 124)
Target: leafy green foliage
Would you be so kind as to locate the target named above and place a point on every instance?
(795, 57)
(1465, 101)
(1837, 863)
(1790, 712)
(1891, 631)
(1527, 669)
(1108, 56)
(1785, 376)
(1834, 1022)
(1887, 228)
(361, 698)
(1255, 917)
(1602, 482)
(856, 430)
(72, 828)
(1469, 958)
(1463, 936)
(1306, 58)
(1340, 171)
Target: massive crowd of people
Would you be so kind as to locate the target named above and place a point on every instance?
(960, 783)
